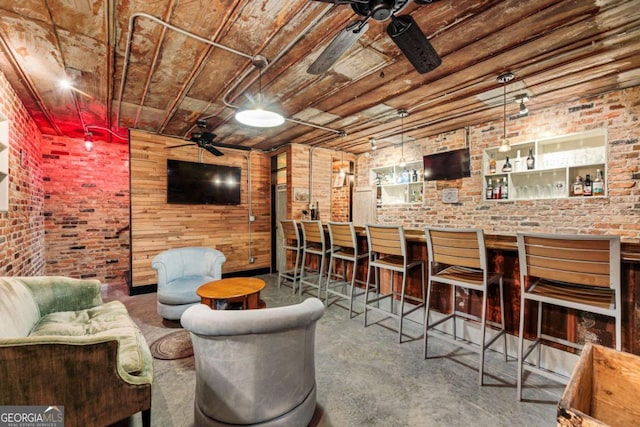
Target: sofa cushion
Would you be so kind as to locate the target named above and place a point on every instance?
(105, 320)
(18, 310)
(182, 290)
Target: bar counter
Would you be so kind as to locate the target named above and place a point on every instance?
(502, 256)
(629, 251)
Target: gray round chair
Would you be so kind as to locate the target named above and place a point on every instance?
(254, 367)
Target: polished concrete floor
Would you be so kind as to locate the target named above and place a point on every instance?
(364, 376)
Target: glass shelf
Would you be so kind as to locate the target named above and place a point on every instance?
(558, 162)
(397, 184)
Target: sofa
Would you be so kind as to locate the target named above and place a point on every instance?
(181, 271)
(60, 344)
(254, 367)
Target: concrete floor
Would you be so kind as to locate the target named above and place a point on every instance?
(364, 377)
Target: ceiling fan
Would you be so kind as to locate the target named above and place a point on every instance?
(403, 30)
(203, 139)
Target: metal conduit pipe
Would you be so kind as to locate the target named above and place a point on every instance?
(220, 46)
(172, 27)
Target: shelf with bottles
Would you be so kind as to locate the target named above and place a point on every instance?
(4, 164)
(587, 181)
(548, 168)
(398, 184)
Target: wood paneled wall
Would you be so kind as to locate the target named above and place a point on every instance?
(157, 226)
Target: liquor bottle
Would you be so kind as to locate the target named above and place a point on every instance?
(504, 190)
(313, 212)
(414, 176)
(507, 166)
(489, 193)
(598, 184)
(492, 164)
(578, 187)
(531, 161)
(497, 190)
(317, 210)
(517, 163)
(587, 186)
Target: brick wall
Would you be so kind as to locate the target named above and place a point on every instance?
(22, 227)
(618, 112)
(86, 212)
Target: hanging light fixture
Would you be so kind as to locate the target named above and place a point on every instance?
(88, 141)
(521, 100)
(372, 141)
(256, 114)
(505, 78)
(402, 113)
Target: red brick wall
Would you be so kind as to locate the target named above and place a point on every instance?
(618, 112)
(86, 209)
(22, 227)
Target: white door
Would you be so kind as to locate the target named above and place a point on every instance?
(364, 207)
(281, 213)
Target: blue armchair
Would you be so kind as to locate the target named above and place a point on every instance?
(180, 272)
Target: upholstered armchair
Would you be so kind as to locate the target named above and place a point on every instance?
(254, 367)
(181, 271)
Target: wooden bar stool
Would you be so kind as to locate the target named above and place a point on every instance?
(388, 251)
(291, 246)
(344, 247)
(313, 243)
(458, 258)
(570, 271)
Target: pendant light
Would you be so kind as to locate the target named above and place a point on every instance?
(505, 78)
(256, 114)
(402, 113)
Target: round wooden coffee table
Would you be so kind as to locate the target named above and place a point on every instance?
(240, 293)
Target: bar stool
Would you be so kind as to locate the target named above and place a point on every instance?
(291, 246)
(575, 272)
(458, 258)
(313, 243)
(388, 251)
(344, 247)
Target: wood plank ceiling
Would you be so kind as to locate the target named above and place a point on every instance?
(558, 51)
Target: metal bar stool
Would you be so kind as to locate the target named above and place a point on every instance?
(291, 245)
(313, 243)
(344, 247)
(388, 250)
(458, 258)
(575, 272)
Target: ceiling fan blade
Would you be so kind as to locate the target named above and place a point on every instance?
(343, 1)
(181, 145)
(210, 148)
(338, 46)
(407, 35)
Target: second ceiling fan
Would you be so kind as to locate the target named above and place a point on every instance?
(403, 30)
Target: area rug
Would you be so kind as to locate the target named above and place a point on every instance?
(176, 345)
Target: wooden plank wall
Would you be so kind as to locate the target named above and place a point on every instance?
(157, 226)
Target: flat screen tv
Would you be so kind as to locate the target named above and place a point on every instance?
(191, 183)
(452, 164)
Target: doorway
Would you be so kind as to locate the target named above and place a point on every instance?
(278, 205)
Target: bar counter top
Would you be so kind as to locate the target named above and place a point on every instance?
(629, 251)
